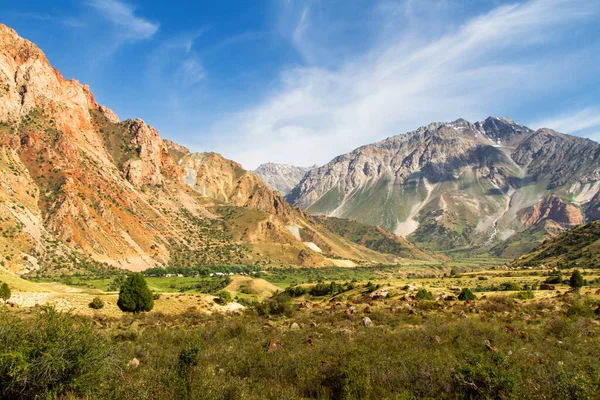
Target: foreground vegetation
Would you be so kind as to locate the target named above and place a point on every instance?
(315, 347)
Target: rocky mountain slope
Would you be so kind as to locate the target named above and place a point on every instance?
(462, 185)
(281, 177)
(575, 248)
(81, 190)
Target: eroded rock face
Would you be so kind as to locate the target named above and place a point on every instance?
(222, 179)
(152, 161)
(552, 208)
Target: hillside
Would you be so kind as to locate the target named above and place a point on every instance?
(373, 237)
(81, 190)
(462, 185)
(575, 248)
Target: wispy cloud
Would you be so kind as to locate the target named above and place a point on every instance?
(404, 80)
(175, 64)
(67, 21)
(578, 121)
(129, 26)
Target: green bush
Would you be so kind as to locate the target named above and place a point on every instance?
(49, 355)
(510, 287)
(424, 294)
(554, 279)
(296, 291)
(278, 304)
(225, 297)
(96, 303)
(134, 295)
(466, 294)
(4, 292)
(525, 295)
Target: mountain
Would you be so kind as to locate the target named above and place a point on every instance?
(460, 185)
(575, 248)
(82, 190)
(281, 177)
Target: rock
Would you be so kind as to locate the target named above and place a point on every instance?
(274, 345)
(313, 324)
(367, 323)
(367, 310)
(133, 363)
(280, 177)
(545, 286)
(294, 326)
(109, 114)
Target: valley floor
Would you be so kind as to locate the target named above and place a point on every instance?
(360, 343)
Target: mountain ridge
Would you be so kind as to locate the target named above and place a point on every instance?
(447, 185)
(81, 189)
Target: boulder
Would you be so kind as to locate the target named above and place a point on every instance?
(294, 326)
(367, 323)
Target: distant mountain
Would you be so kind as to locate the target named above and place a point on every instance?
(448, 186)
(281, 177)
(81, 190)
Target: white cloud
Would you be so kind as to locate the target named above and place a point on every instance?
(176, 62)
(129, 26)
(573, 122)
(403, 82)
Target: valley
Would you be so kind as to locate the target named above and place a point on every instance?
(460, 260)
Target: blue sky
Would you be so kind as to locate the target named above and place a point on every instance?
(301, 81)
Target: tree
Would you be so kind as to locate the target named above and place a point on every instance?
(134, 295)
(466, 294)
(576, 281)
(4, 292)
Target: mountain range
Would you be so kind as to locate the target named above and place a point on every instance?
(494, 185)
(80, 189)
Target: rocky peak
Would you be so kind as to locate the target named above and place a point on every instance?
(503, 130)
(109, 114)
(176, 150)
(225, 180)
(281, 177)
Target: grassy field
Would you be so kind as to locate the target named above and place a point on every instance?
(500, 346)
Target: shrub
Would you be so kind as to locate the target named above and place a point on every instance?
(320, 289)
(424, 294)
(4, 292)
(295, 291)
(554, 279)
(466, 294)
(581, 307)
(134, 295)
(576, 281)
(510, 287)
(525, 295)
(225, 297)
(50, 355)
(155, 296)
(96, 303)
(278, 304)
